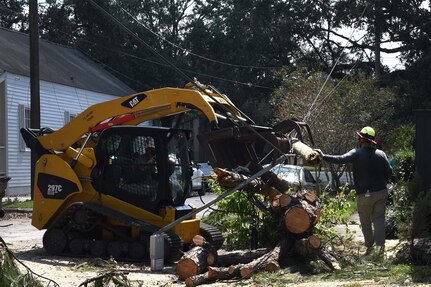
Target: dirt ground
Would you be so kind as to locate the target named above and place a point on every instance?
(26, 243)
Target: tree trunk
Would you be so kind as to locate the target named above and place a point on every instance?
(377, 40)
(228, 258)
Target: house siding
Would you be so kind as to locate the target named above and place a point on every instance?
(55, 100)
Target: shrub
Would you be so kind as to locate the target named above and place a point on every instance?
(409, 210)
(336, 211)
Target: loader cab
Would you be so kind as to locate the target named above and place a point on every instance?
(146, 166)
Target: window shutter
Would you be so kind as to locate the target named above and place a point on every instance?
(66, 117)
(21, 115)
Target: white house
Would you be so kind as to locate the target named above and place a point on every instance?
(69, 83)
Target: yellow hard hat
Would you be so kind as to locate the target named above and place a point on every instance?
(367, 133)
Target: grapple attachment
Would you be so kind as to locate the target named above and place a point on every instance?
(239, 147)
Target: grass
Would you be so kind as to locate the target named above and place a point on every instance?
(356, 275)
(15, 203)
(357, 271)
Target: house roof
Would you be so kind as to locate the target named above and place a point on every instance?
(57, 64)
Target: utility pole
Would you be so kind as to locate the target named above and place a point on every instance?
(34, 80)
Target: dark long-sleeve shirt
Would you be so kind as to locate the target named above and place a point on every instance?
(371, 169)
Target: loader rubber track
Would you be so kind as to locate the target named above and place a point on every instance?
(78, 232)
(212, 235)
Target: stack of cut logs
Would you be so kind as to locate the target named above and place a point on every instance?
(202, 264)
(298, 214)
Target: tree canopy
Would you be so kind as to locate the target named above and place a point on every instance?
(271, 54)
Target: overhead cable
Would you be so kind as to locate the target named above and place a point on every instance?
(188, 51)
(308, 114)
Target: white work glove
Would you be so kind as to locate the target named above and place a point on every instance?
(319, 151)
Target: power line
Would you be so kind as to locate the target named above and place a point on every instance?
(335, 88)
(308, 114)
(150, 61)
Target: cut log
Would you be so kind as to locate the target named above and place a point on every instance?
(306, 152)
(329, 260)
(311, 197)
(297, 220)
(283, 200)
(272, 179)
(198, 240)
(198, 279)
(213, 274)
(234, 270)
(219, 273)
(229, 179)
(193, 262)
(228, 258)
(267, 262)
(308, 247)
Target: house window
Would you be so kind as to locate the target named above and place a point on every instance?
(68, 116)
(24, 122)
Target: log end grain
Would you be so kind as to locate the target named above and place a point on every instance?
(285, 200)
(272, 266)
(198, 240)
(310, 196)
(314, 241)
(297, 220)
(186, 268)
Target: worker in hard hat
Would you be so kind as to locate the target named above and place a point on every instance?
(371, 174)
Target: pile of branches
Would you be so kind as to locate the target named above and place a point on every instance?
(11, 274)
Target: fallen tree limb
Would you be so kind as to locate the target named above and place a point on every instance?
(228, 258)
(268, 262)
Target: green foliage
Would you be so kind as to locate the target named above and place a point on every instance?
(408, 211)
(402, 138)
(404, 164)
(10, 274)
(403, 159)
(399, 212)
(336, 211)
(236, 216)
